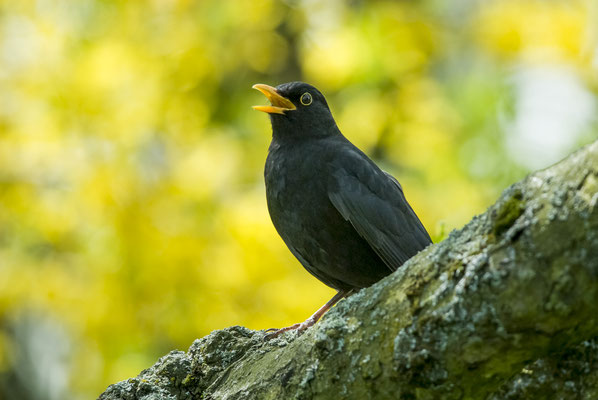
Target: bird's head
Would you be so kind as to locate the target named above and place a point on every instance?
(297, 108)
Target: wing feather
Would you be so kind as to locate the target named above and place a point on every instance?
(374, 203)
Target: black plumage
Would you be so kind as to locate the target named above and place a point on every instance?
(347, 221)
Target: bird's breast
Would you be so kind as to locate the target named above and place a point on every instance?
(296, 188)
(292, 180)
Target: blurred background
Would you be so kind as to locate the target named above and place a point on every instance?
(132, 208)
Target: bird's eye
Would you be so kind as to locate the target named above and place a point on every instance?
(306, 99)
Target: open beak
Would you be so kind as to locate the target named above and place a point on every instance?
(279, 104)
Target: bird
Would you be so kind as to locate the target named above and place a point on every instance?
(345, 220)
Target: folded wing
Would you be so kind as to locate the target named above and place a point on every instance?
(374, 203)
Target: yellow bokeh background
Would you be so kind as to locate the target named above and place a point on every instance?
(132, 206)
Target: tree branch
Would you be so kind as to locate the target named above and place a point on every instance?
(460, 320)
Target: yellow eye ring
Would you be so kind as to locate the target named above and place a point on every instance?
(306, 99)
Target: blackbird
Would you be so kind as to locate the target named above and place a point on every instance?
(345, 220)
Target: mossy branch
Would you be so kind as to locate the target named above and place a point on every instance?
(497, 309)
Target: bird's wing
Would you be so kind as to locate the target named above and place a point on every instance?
(374, 203)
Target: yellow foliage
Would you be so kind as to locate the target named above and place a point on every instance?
(534, 30)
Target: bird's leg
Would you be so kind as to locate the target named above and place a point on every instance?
(311, 320)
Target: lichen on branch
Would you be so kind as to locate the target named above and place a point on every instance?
(462, 319)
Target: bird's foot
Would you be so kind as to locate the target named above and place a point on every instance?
(300, 327)
(311, 320)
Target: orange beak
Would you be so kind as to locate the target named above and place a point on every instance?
(279, 104)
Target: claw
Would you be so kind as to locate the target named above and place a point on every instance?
(299, 327)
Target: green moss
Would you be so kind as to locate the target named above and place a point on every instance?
(187, 379)
(508, 211)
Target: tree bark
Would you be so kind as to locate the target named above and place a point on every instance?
(503, 308)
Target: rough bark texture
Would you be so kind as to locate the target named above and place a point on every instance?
(505, 308)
